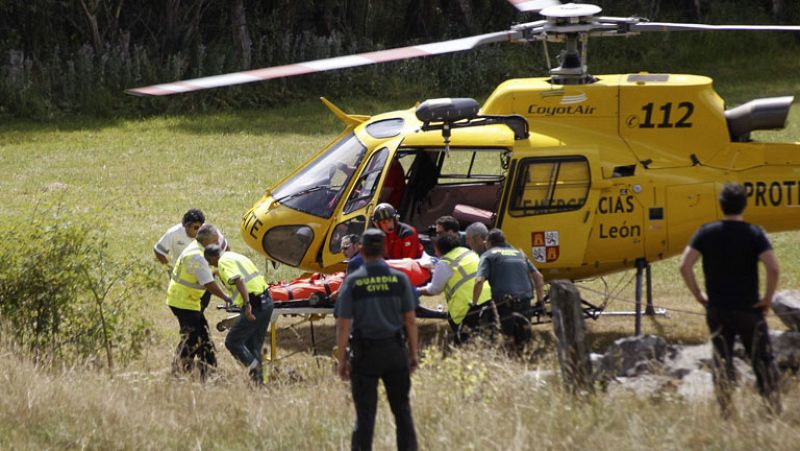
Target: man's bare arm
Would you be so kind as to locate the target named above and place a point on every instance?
(246, 307)
(342, 333)
(538, 283)
(688, 260)
(164, 260)
(773, 273)
(476, 291)
(410, 320)
(217, 291)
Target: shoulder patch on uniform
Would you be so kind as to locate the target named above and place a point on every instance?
(405, 230)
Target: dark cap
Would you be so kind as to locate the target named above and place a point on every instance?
(372, 242)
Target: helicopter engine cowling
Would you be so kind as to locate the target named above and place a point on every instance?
(759, 114)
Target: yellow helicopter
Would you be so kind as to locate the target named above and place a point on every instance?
(589, 174)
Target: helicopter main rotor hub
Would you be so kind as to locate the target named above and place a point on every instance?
(571, 23)
(571, 13)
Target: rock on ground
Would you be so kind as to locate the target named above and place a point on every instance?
(632, 356)
(786, 348)
(786, 304)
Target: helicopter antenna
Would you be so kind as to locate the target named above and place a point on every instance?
(546, 55)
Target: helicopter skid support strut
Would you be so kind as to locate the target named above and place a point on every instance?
(642, 266)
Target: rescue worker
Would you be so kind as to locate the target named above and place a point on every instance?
(351, 247)
(447, 224)
(249, 290)
(191, 277)
(451, 226)
(376, 311)
(513, 278)
(177, 237)
(454, 274)
(731, 250)
(402, 240)
(476, 234)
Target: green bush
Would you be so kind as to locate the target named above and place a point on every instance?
(62, 297)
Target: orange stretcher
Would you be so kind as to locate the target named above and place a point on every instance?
(314, 290)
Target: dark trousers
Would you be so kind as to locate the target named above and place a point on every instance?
(245, 340)
(386, 360)
(725, 325)
(470, 324)
(515, 318)
(195, 342)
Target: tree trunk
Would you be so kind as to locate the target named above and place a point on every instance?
(570, 330)
(94, 29)
(777, 10)
(242, 34)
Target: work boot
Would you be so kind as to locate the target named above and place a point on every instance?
(254, 370)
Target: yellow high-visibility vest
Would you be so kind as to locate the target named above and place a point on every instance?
(230, 266)
(458, 289)
(184, 290)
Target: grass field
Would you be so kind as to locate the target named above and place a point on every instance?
(140, 175)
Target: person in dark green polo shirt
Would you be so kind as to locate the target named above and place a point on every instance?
(513, 279)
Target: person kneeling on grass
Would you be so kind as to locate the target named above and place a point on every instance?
(454, 274)
(248, 290)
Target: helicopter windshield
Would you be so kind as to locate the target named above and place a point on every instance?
(317, 188)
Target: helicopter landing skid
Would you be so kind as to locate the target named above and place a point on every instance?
(655, 312)
(590, 311)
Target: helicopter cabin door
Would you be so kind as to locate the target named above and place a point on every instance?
(544, 209)
(367, 190)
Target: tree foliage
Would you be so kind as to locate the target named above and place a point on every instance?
(62, 297)
(79, 55)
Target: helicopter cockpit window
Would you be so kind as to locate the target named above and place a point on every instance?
(365, 186)
(550, 185)
(353, 226)
(316, 189)
(386, 128)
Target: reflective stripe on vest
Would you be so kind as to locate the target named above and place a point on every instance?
(458, 289)
(184, 291)
(252, 278)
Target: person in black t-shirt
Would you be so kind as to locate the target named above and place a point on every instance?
(731, 250)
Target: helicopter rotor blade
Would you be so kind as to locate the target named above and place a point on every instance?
(670, 26)
(533, 5)
(321, 65)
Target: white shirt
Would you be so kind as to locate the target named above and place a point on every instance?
(175, 240)
(441, 274)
